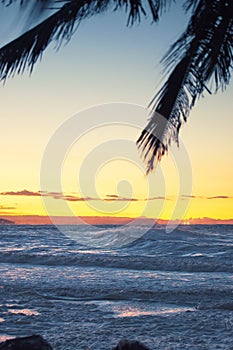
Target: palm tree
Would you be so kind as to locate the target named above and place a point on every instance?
(200, 60)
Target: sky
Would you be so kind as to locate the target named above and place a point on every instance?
(68, 131)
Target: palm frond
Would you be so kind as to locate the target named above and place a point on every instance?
(24, 51)
(190, 5)
(23, 2)
(215, 56)
(170, 108)
(158, 7)
(135, 8)
(212, 25)
(201, 54)
(34, 10)
(40, 5)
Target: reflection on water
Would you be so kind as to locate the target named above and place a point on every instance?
(2, 319)
(134, 312)
(4, 337)
(137, 308)
(26, 312)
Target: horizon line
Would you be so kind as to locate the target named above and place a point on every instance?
(82, 220)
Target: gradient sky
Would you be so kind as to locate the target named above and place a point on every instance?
(106, 62)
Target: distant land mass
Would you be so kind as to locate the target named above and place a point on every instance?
(104, 220)
(6, 222)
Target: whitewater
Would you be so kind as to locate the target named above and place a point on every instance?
(169, 290)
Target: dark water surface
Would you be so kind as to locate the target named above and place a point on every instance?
(169, 290)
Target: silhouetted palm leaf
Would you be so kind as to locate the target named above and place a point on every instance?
(24, 51)
(202, 53)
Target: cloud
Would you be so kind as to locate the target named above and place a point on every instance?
(55, 195)
(107, 198)
(62, 196)
(114, 197)
(187, 196)
(157, 198)
(76, 198)
(206, 197)
(219, 197)
(20, 193)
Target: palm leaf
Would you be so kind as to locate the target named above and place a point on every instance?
(202, 53)
(24, 51)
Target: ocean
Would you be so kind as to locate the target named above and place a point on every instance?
(169, 290)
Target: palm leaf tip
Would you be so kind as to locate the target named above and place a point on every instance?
(155, 150)
(170, 110)
(160, 132)
(152, 141)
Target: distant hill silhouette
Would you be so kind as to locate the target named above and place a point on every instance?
(6, 222)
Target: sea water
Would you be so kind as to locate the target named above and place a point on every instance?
(169, 290)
